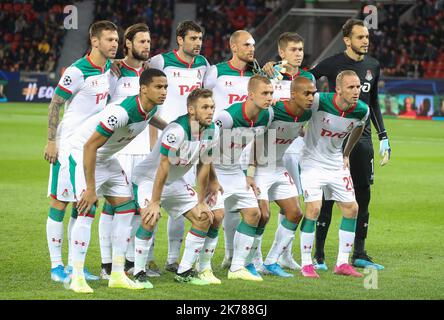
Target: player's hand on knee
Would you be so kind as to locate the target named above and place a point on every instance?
(203, 210)
(51, 152)
(151, 214)
(87, 200)
(384, 151)
(346, 161)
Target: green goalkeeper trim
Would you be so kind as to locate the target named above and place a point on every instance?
(56, 215)
(247, 229)
(348, 224)
(143, 234)
(308, 226)
(289, 225)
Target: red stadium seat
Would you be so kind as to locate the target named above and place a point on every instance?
(18, 7)
(8, 7)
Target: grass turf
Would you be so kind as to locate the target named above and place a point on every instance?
(405, 231)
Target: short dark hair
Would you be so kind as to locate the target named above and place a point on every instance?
(254, 80)
(95, 30)
(197, 94)
(348, 26)
(131, 32)
(185, 26)
(287, 37)
(148, 74)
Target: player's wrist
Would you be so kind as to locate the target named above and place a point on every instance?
(251, 171)
(382, 135)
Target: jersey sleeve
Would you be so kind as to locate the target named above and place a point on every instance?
(224, 120)
(70, 83)
(315, 105)
(157, 62)
(172, 138)
(210, 78)
(112, 118)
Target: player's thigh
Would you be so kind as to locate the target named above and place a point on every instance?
(313, 182)
(60, 187)
(178, 198)
(111, 179)
(362, 163)
(283, 186)
(264, 181)
(340, 186)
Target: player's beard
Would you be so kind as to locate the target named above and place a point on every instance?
(356, 50)
(138, 56)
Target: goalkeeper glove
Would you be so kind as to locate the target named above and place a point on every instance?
(384, 148)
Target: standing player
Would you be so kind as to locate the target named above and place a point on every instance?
(229, 82)
(95, 171)
(241, 122)
(185, 69)
(160, 180)
(356, 38)
(272, 178)
(83, 90)
(325, 168)
(136, 46)
(291, 49)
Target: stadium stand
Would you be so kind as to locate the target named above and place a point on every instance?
(413, 48)
(158, 15)
(31, 36)
(220, 18)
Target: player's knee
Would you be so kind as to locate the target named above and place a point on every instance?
(252, 216)
(57, 204)
(294, 214)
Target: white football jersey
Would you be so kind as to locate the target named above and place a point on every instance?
(181, 146)
(121, 123)
(182, 79)
(327, 129)
(282, 87)
(85, 86)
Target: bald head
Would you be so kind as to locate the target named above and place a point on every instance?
(301, 84)
(242, 46)
(236, 35)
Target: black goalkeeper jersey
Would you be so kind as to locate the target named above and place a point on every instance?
(368, 71)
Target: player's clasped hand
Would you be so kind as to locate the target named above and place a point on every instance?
(252, 184)
(87, 200)
(51, 152)
(151, 214)
(384, 151)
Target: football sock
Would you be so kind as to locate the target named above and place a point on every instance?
(346, 239)
(175, 229)
(54, 235)
(81, 235)
(72, 221)
(243, 243)
(283, 237)
(288, 249)
(230, 223)
(135, 222)
(363, 199)
(142, 243)
(307, 239)
(193, 245)
(105, 229)
(151, 249)
(322, 226)
(255, 255)
(208, 249)
(121, 233)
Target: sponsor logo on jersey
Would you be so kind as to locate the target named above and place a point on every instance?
(278, 87)
(187, 89)
(331, 134)
(176, 74)
(101, 96)
(127, 84)
(326, 120)
(94, 83)
(228, 84)
(284, 141)
(232, 98)
(369, 75)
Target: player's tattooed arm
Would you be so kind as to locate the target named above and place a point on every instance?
(50, 153)
(158, 122)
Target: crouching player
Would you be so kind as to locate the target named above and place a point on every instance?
(325, 168)
(273, 182)
(159, 180)
(95, 171)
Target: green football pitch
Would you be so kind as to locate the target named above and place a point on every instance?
(406, 231)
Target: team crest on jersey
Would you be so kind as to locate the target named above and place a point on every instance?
(369, 75)
(112, 121)
(171, 138)
(67, 80)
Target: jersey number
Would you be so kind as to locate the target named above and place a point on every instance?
(191, 190)
(348, 183)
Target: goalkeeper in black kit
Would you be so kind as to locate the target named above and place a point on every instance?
(356, 38)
